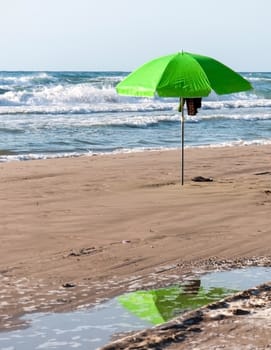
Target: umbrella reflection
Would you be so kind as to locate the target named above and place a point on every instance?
(160, 305)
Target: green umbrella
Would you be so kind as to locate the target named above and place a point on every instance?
(184, 75)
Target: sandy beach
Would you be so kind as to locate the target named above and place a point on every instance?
(77, 230)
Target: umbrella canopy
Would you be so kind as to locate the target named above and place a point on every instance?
(185, 75)
(182, 74)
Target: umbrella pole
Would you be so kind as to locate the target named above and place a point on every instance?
(181, 109)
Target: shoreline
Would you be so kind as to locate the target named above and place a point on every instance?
(106, 223)
(11, 157)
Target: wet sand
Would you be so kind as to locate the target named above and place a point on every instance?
(75, 231)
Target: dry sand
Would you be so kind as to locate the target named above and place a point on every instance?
(74, 231)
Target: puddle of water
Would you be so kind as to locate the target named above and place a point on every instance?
(93, 328)
(82, 329)
(238, 279)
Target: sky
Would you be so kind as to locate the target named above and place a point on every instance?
(120, 35)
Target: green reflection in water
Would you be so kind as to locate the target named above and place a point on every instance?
(160, 305)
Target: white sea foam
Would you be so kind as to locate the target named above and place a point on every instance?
(240, 103)
(261, 79)
(41, 156)
(86, 108)
(257, 142)
(58, 94)
(87, 97)
(22, 80)
(82, 104)
(256, 115)
(17, 124)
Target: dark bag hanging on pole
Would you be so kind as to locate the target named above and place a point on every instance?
(192, 105)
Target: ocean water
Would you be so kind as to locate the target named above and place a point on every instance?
(63, 114)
